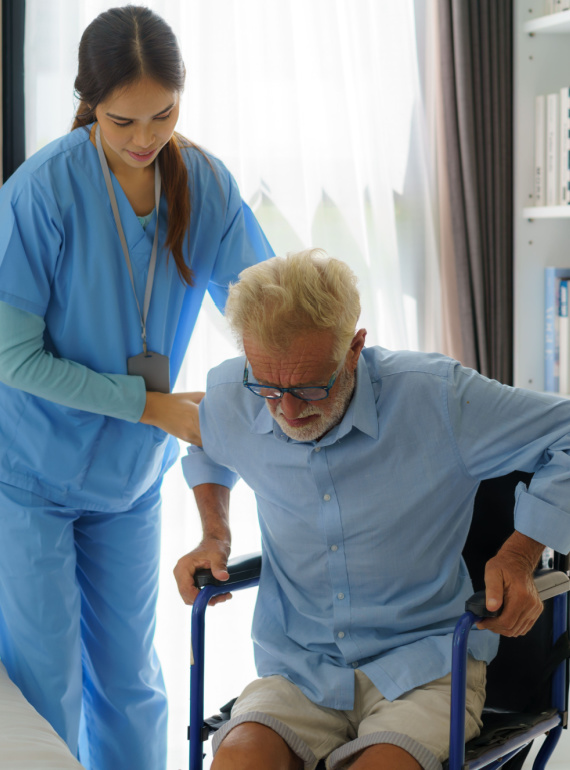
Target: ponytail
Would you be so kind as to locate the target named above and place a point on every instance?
(175, 185)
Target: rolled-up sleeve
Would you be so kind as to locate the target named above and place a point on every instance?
(211, 464)
(199, 468)
(542, 521)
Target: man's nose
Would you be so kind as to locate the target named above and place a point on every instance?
(291, 406)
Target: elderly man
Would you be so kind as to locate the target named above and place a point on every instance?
(365, 464)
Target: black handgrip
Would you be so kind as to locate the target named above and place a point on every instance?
(240, 568)
(476, 605)
(548, 583)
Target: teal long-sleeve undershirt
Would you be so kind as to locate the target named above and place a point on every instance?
(26, 365)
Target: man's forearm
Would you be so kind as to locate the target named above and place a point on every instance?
(524, 548)
(213, 501)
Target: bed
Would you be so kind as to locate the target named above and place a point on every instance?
(27, 741)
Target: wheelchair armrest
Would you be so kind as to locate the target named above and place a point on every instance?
(548, 583)
(240, 568)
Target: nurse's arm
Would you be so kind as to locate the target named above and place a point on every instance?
(175, 413)
(25, 364)
(213, 501)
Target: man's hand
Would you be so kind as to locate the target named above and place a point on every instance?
(213, 501)
(175, 413)
(509, 583)
(211, 554)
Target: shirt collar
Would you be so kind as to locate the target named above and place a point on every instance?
(361, 412)
(264, 422)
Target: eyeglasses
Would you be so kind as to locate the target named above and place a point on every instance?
(311, 393)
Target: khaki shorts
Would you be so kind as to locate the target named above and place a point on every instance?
(417, 722)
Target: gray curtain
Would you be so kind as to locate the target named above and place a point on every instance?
(476, 47)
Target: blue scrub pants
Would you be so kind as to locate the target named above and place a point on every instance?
(78, 594)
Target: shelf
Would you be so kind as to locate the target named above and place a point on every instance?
(547, 212)
(541, 65)
(553, 24)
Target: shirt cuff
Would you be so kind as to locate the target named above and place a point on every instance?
(134, 397)
(542, 521)
(198, 468)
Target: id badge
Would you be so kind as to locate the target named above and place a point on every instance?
(154, 368)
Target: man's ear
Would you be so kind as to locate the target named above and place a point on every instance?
(356, 348)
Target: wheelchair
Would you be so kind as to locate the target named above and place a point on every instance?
(527, 683)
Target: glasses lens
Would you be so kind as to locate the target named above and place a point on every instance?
(310, 394)
(264, 392)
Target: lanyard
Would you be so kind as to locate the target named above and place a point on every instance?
(152, 265)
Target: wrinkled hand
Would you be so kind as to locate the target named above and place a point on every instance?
(211, 554)
(509, 583)
(175, 413)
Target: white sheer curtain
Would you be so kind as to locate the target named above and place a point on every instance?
(315, 107)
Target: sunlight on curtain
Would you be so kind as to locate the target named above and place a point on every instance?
(315, 107)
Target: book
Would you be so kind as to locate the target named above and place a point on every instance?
(563, 338)
(539, 150)
(552, 148)
(564, 179)
(552, 278)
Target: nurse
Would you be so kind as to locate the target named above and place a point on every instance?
(109, 238)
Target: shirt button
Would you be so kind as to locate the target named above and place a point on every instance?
(317, 449)
(355, 664)
(341, 634)
(334, 547)
(326, 498)
(340, 596)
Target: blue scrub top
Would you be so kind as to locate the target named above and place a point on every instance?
(61, 259)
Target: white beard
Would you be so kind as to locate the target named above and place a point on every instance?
(316, 429)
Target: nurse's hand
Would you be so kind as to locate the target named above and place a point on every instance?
(210, 554)
(175, 413)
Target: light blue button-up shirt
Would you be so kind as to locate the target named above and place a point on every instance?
(362, 531)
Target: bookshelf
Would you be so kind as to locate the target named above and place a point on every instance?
(547, 212)
(541, 234)
(554, 24)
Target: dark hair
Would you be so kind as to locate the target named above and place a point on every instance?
(118, 48)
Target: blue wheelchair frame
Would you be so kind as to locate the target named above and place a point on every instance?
(499, 756)
(495, 758)
(197, 732)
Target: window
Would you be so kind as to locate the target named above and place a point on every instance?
(315, 107)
